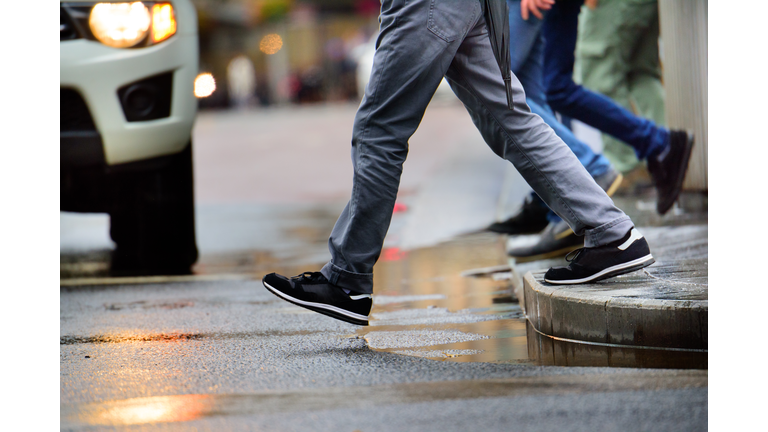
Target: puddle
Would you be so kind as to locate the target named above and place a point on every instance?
(458, 302)
(551, 351)
(460, 298)
(442, 303)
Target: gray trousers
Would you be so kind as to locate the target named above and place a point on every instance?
(421, 41)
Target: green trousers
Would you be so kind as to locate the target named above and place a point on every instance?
(617, 55)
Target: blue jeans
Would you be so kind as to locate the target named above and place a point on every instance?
(527, 63)
(560, 31)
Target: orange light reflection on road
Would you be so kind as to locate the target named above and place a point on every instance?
(158, 409)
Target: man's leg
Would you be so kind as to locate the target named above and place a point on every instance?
(617, 56)
(645, 76)
(527, 54)
(612, 245)
(415, 47)
(557, 238)
(521, 137)
(527, 57)
(416, 44)
(667, 152)
(565, 96)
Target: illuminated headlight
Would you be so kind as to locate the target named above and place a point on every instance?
(125, 25)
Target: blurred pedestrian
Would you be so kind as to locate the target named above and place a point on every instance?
(557, 238)
(617, 55)
(667, 152)
(241, 76)
(420, 42)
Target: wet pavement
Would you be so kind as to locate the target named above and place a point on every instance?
(227, 355)
(448, 346)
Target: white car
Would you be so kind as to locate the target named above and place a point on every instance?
(127, 109)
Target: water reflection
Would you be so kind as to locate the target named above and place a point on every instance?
(464, 285)
(551, 351)
(158, 409)
(426, 291)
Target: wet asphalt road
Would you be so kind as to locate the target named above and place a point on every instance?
(216, 351)
(133, 356)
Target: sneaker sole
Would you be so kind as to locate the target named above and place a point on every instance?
(681, 177)
(619, 269)
(325, 309)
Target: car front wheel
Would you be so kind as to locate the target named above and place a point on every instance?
(153, 218)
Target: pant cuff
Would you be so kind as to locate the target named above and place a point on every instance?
(357, 282)
(608, 232)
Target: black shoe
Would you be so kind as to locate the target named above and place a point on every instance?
(593, 264)
(668, 169)
(314, 292)
(556, 240)
(531, 218)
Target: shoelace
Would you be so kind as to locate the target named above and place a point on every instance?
(575, 252)
(309, 277)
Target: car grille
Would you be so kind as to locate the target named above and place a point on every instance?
(73, 112)
(67, 30)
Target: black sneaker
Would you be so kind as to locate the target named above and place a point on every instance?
(311, 290)
(531, 218)
(668, 169)
(594, 264)
(556, 240)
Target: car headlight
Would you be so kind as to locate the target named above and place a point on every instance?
(126, 25)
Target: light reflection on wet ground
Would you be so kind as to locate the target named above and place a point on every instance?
(158, 409)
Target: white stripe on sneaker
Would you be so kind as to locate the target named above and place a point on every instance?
(598, 274)
(633, 236)
(361, 296)
(318, 305)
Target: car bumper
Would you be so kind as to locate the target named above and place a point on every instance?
(96, 72)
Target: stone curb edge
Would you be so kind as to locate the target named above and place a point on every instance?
(575, 314)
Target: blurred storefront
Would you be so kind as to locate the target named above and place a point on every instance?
(300, 51)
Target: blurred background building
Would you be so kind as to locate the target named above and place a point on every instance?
(283, 51)
(277, 52)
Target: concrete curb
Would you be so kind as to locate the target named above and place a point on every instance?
(615, 313)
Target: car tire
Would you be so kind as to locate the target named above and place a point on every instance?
(153, 218)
